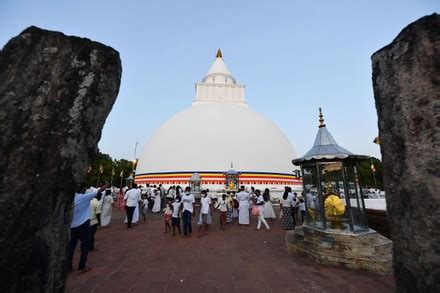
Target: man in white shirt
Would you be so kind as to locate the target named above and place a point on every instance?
(188, 201)
(132, 198)
(205, 207)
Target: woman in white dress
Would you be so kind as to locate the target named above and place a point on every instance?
(243, 207)
(156, 207)
(268, 212)
(106, 208)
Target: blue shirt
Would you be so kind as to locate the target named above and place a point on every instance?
(81, 208)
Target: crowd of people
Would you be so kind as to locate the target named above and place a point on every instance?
(93, 208)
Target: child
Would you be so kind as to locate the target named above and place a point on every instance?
(302, 208)
(175, 220)
(222, 206)
(144, 207)
(168, 213)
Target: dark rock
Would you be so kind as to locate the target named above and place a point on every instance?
(406, 79)
(55, 94)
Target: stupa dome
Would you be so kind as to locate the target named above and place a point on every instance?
(217, 130)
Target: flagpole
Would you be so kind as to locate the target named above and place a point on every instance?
(111, 181)
(122, 176)
(374, 175)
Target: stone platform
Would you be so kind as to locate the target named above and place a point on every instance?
(367, 250)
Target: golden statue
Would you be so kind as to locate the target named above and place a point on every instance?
(334, 209)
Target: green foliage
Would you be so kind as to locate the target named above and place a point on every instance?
(366, 174)
(94, 176)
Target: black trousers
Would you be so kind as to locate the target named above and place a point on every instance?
(93, 229)
(81, 233)
(130, 211)
(186, 217)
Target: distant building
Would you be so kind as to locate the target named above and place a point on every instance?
(219, 128)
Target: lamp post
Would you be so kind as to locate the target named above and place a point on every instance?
(133, 171)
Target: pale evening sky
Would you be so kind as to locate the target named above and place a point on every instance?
(293, 57)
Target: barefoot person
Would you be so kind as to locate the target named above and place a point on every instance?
(260, 204)
(167, 217)
(175, 220)
(188, 201)
(80, 227)
(132, 198)
(243, 208)
(222, 206)
(205, 202)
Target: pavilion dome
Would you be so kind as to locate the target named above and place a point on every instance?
(217, 130)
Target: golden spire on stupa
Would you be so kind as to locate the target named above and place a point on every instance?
(219, 54)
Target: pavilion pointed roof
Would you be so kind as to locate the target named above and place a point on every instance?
(325, 146)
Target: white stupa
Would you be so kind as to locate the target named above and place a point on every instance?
(217, 130)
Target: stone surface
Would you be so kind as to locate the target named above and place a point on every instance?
(406, 80)
(55, 94)
(239, 259)
(368, 250)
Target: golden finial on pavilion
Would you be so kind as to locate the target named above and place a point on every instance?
(321, 119)
(219, 54)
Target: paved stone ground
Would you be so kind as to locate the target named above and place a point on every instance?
(239, 259)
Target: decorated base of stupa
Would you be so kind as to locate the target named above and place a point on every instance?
(367, 250)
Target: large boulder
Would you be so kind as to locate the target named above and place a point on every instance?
(406, 80)
(55, 94)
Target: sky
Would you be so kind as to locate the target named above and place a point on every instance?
(293, 57)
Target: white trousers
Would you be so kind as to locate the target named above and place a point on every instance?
(261, 219)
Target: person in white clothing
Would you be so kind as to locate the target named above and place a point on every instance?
(269, 212)
(188, 201)
(157, 202)
(175, 220)
(106, 208)
(302, 210)
(205, 208)
(243, 207)
(132, 198)
(222, 205)
(260, 203)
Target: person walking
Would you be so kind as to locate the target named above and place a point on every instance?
(243, 207)
(157, 202)
(95, 207)
(269, 212)
(302, 210)
(121, 202)
(260, 203)
(205, 208)
(132, 198)
(106, 208)
(188, 201)
(175, 220)
(80, 227)
(230, 207)
(168, 212)
(222, 206)
(286, 207)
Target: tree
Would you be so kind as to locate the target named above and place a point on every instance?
(367, 176)
(102, 168)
